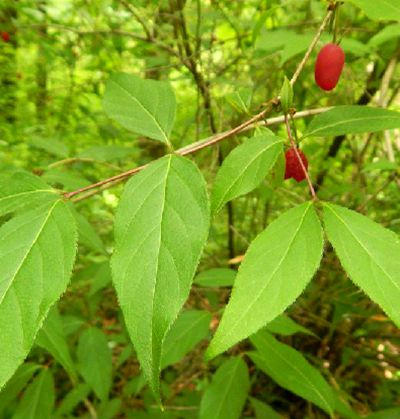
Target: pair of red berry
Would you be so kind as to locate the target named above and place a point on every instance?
(328, 68)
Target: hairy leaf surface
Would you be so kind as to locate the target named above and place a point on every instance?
(23, 191)
(369, 253)
(160, 230)
(244, 168)
(276, 268)
(37, 252)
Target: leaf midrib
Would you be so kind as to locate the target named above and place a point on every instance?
(347, 121)
(244, 313)
(365, 250)
(38, 393)
(301, 373)
(154, 382)
(152, 117)
(4, 198)
(227, 388)
(244, 168)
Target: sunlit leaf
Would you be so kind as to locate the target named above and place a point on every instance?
(37, 251)
(146, 107)
(369, 253)
(342, 120)
(276, 268)
(160, 230)
(244, 168)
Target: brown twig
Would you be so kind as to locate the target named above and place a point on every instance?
(193, 148)
(216, 138)
(311, 47)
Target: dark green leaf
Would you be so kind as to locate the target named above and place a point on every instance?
(39, 397)
(190, 328)
(291, 371)
(95, 363)
(216, 277)
(51, 337)
(225, 397)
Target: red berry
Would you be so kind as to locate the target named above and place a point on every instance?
(293, 167)
(329, 66)
(5, 36)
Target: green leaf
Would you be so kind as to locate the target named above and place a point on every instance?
(160, 229)
(109, 409)
(37, 252)
(51, 145)
(388, 33)
(386, 414)
(146, 107)
(289, 43)
(285, 326)
(244, 169)
(343, 408)
(352, 46)
(241, 99)
(17, 383)
(69, 179)
(297, 45)
(107, 153)
(95, 363)
(382, 10)
(190, 328)
(71, 324)
(369, 253)
(278, 265)
(381, 165)
(216, 277)
(72, 399)
(263, 411)
(101, 278)
(286, 95)
(342, 120)
(225, 397)
(51, 338)
(23, 191)
(39, 397)
(291, 371)
(88, 235)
